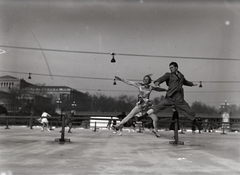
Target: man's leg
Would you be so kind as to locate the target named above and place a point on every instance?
(157, 108)
(187, 111)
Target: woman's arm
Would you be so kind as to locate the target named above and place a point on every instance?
(132, 83)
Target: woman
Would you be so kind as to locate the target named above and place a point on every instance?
(43, 119)
(143, 103)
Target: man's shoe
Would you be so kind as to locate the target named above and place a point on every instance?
(69, 132)
(198, 125)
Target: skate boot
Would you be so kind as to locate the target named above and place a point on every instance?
(157, 134)
(115, 129)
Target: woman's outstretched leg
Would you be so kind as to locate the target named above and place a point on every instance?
(133, 112)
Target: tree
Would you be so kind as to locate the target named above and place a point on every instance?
(199, 107)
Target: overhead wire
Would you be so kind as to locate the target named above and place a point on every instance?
(120, 54)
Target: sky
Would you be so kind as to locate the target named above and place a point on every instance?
(69, 42)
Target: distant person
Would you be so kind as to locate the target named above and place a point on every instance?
(199, 119)
(109, 124)
(68, 121)
(175, 95)
(143, 103)
(114, 122)
(43, 119)
(193, 129)
(208, 127)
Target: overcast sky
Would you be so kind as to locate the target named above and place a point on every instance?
(78, 37)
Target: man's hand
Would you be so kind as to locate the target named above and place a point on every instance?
(156, 83)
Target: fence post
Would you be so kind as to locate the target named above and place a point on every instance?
(95, 127)
(51, 124)
(7, 123)
(139, 124)
(62, 139)
(31, 123)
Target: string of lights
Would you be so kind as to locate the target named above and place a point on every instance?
(119, 54)
(98, 78)
(137, 91)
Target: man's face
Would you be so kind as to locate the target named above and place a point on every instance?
(173, 69)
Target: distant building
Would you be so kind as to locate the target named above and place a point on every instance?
(31, 92)
(8, 82)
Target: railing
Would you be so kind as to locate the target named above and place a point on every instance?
(31, 121)
(81, 116)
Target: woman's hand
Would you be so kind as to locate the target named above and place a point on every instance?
(117, 78)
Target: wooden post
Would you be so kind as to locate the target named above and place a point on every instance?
(139, 124)
(7, 123)
(176, 141)
(62, 139)
(31, 123)
(95, 127)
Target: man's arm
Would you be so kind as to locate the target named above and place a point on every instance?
(162, 79)
(188, 83)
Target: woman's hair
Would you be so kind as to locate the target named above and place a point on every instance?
(149, 78)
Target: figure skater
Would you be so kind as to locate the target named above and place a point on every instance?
(143, 103)
(43, 119)
(175, 94)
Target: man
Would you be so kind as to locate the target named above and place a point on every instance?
(68, 121)
(174, 96)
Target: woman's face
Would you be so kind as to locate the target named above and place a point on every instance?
(146, 80)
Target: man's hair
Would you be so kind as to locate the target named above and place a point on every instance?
(174, 64)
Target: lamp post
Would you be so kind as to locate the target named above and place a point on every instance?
(73, 105)
(62, 139)
(73, 108)
(225, 114)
